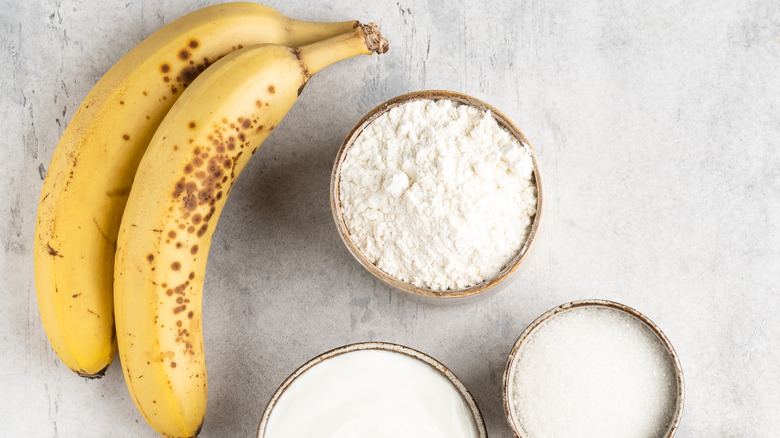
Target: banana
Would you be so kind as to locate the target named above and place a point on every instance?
(90, 175)
(177, 196)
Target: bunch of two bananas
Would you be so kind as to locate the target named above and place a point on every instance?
(138, 181)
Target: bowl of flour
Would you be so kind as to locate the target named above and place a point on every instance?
(438, 194)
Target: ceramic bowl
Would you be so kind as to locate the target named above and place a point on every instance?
(511, 267)
(468, 400)
(509, 372)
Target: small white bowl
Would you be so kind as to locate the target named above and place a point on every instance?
(509, 372)
(468, 400)
(335, 202)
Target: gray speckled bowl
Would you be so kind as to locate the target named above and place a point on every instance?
(335, 203)
(509, 372)
(471, 404)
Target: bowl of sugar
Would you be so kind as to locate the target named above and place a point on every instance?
(593, 368)
(372, 389)
(438, 194)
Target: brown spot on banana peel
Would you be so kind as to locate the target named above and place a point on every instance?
(179, 290)
(179, 188)
(52, 252)
(209, 215)
(190, 203)
(188, 74)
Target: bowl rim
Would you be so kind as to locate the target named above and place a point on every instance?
(462, 99)
(465, 395)
(508, 379)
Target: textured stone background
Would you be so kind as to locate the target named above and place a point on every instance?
(657, 125)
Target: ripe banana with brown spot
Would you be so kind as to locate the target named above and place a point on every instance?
(89, 177)
(178, 194)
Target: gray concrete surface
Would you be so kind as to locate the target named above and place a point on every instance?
(657, 125)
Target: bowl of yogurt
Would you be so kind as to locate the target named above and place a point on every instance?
(438, 194)
(372, 389)
(593, 368)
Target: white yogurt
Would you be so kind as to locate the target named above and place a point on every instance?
(371, 394)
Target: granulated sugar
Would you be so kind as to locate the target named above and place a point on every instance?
(438, 194)
(594, 372)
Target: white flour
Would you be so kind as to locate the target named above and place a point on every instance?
(438, 194)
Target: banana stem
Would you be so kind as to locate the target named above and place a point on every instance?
(365, 39)
(311, 31)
